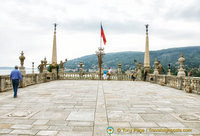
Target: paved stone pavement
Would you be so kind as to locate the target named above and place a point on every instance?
(87, 108)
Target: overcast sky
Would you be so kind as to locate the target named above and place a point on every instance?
(27, 25)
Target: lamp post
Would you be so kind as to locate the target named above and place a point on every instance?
(100, 54)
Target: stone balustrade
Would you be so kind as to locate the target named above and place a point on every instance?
(28, 79)
(94, 76)
(188, 84)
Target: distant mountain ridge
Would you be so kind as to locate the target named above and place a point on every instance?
(165, 56)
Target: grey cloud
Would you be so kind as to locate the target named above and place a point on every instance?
(167, 34)
(109, 26)
(191, 13)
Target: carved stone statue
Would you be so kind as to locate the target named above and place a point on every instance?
(41, 66)
(22, 58)
(139, 72)
(61, 64)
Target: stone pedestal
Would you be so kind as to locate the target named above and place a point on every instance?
(169, 72)
(61, 74)
(156, 67)
(54, 70)
(181, 72)
(139, 74)
(22, 70)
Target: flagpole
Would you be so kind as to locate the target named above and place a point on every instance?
(100, 36)
(100, 52)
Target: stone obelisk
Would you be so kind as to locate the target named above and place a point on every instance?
(146, 55)
(54, 52)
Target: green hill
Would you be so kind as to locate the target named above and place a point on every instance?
(165, 56)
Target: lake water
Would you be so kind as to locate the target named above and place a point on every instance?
(7, 71)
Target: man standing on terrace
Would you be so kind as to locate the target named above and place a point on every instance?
(15, 75)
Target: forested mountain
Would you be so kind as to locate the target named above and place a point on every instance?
(165, 56)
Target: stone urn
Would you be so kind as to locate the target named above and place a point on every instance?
(181, 71)
(22, 58)
(22, 68)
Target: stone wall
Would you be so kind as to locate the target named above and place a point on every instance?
(28, 79)
(188, 84)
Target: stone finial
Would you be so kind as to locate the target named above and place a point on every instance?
(181, 70)
(181, 60)
(55, 26)
(147, 25)
(22, 58)
(22, 68)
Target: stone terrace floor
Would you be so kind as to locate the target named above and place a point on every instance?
(87, 108)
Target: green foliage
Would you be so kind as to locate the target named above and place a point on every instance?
(50, 67)
(166, 56)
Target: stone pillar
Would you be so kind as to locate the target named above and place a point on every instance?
(119, 72)
(169, 70)
(156, 67)
(181, 71)
(45, 65)
(81, 70)
(119, 68)
(61, 73)
(54, 51)
(146, 56)
(22, 68)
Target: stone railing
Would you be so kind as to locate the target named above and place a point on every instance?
(189, 84)
(94, 76)
(28, 79)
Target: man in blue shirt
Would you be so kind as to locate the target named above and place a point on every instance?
(15, 75)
